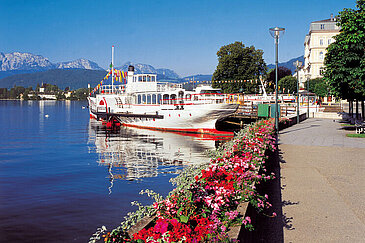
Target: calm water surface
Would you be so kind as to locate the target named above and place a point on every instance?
(62, 176)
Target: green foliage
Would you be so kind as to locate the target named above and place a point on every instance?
(345, 59)
(271, 78)
(29, 94)
(321, 89)
(3, 93)
(355, 135)
(288, 84)
(80, 94)
(318, 86)
(237, 62)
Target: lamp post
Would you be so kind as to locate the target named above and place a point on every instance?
(307, 78)
(297, 64)
(308, 98)
(275, 33)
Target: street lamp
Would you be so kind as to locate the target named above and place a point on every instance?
(308, 98)
(275, 33)
(298, 65)
(307, 78)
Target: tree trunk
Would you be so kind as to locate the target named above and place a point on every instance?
(357, 109)
(349, 107)
(363, 110)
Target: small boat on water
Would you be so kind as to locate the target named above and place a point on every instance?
(141, 101)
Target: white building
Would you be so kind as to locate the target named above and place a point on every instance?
(316, 42)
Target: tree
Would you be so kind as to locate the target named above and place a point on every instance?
(237, 62)
(288, 84)
(345, 58)
(321, 89)
(318, 86)
(282, 72)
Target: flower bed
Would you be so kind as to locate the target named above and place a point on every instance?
(203, 206)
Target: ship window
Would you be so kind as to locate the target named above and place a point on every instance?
(139, 101)
(148, 99)
(154, 99)
(173, 99)
(159, 97)
(165, 99)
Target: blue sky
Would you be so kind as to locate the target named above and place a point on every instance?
(181, 35)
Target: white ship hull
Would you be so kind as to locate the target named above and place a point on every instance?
(145, 103)
(196, 118)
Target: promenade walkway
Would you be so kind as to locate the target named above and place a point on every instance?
(322, 183)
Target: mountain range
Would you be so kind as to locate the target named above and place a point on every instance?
(27, 62)
(289, 64)
(26, 69)
(164, 73)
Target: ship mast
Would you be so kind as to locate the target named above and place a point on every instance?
(112, 67)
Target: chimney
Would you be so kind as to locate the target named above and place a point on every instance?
(332, 17)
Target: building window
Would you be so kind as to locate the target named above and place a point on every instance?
(321, 55)
(321, 42)
(321, 71)
(322, 26)
(329, 41)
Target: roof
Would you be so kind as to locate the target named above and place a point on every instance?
(325, 20)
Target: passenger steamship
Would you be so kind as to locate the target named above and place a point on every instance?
(144, 102)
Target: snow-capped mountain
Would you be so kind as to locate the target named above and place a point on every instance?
(168, 73)
(30, 62)
(80, 64)
(23, 61)
(145, 68)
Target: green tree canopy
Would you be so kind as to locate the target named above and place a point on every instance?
(318, 86)
(288, 84)
(345, 59)
(282, 72)
(237, 62)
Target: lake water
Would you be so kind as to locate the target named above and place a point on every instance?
(62, 175)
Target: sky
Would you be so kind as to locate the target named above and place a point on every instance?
(180, 35)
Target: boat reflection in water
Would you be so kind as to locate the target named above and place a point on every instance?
(133, 154)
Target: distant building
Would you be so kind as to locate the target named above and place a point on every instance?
(316, 42)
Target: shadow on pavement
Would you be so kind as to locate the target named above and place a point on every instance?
(268, 228)
(298, 129)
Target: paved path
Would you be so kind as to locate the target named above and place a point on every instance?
(323, 183)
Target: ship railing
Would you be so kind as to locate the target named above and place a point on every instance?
(164, 87)
(198, 99)
(112, 89)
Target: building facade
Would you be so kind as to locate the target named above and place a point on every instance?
(320, 36)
